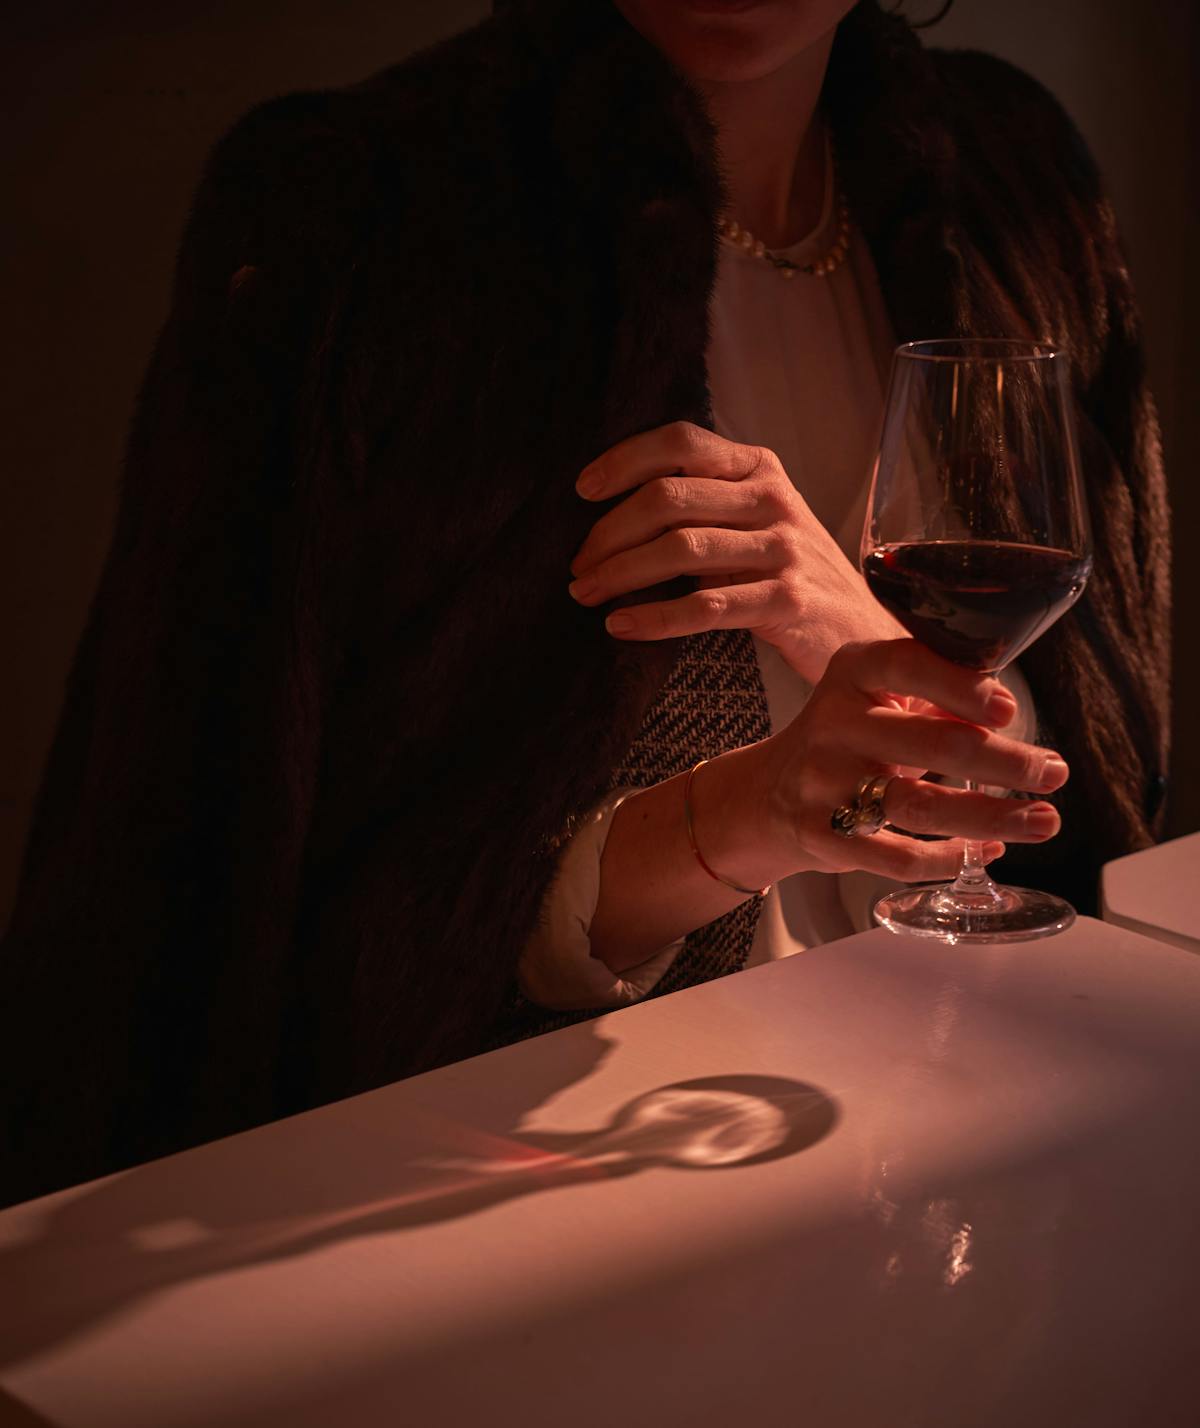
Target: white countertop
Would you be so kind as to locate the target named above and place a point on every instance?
(1156, 892)
(983, 1212)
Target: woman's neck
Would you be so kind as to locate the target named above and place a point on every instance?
(772, 145)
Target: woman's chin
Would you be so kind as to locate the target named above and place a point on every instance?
(732, 41)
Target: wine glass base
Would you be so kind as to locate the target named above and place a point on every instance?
(999, 914)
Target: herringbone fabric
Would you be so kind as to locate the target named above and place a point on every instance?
(712, 701)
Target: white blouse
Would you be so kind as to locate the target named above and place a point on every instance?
(800, 366)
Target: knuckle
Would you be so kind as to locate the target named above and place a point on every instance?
(788, 544)
(1031, 762)
(670, 494)
(687, 436)
(687, 542)
(771, 507)
(777, 498)
(919, 809)
(603, 579)
(712, 603)
(768, 549)
(786, 597)
(763, 461)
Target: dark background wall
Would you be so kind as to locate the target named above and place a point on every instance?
(112, 108)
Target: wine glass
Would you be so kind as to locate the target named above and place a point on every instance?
(977, 539)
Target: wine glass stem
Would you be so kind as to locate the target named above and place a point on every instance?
(973, 874)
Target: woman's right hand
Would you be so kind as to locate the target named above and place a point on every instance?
(859, 722)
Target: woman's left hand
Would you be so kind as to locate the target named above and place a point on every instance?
(729, 516)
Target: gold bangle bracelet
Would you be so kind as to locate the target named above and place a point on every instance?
(691, 833)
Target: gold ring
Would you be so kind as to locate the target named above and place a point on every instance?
(864, 816)
(868, 800)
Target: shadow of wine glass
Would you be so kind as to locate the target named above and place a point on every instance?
(707, 1123)
(139, 1234)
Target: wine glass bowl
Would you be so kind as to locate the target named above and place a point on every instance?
(978, 603)
(976, 538)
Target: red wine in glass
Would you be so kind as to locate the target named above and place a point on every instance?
(976, 602)
(976, 538)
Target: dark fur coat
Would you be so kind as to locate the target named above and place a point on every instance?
(334, 712)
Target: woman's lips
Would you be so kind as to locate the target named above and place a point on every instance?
(721, 7)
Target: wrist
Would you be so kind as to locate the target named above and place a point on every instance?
(735, 823)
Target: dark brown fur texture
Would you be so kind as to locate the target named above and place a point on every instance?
(333, 713)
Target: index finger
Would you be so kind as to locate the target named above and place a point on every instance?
(678, 447)
(905, 666)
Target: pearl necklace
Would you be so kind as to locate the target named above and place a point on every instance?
(733, 233)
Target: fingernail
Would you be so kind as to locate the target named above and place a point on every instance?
(582, 589)
(590, 483)
(992, 851)
(1000, 707)
(619, 623)
(1054, 773)
(1041, 820)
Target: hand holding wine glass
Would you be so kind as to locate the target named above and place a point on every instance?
(976, 538)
